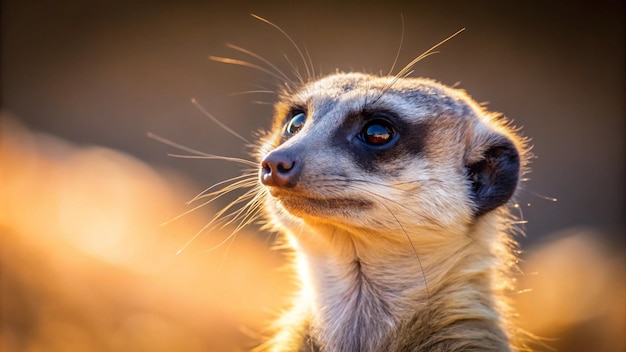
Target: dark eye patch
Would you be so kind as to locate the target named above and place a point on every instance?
(377, 138)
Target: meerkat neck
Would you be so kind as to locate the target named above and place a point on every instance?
(361, 298)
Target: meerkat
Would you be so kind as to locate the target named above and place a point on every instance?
(392, 194)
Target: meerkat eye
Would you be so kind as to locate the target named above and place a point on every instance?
(295, 124)
(377, 133)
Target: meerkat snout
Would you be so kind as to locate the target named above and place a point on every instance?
(280, 169)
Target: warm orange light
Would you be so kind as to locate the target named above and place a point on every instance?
(86, 265)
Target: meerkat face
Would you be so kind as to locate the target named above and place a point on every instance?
(361, 151)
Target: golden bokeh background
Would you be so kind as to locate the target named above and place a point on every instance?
(86, 264)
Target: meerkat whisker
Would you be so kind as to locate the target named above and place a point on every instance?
(254, 209)
(395, 60)
(214, 157)
(248, 218)
(294, 69)
(180, 146)
(426, 53)
(249, 177)
(308, 56)
(265, 61)
(224, 241)
(187, 212)
(193, 238)
(218, 194)
(306, 66)
(261, 91)
(216, 120)
(216, 218)
(551, 199)
(429, 220)
(254, 194)
(237, 62)
(215, 195)
(406, 71)
(227, 189)
(260, 102)
(418, 260)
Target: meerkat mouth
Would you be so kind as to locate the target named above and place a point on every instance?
(298, 203)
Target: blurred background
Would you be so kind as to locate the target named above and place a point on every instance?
(85, 262)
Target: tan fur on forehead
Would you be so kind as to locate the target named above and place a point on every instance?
(418, 93)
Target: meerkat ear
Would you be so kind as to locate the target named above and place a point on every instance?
(495, 176)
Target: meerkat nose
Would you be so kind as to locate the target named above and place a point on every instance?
(280, 169)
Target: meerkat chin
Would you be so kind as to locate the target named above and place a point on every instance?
(392, 193)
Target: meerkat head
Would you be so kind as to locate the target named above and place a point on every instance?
(367, 152)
